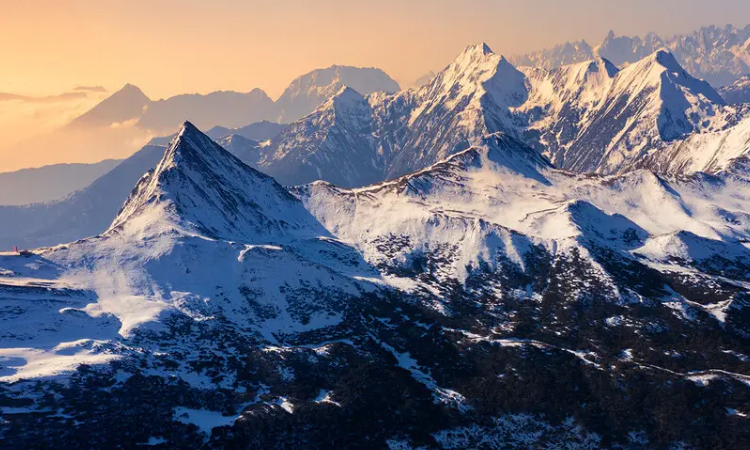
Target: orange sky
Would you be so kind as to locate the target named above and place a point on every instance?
(168, 47)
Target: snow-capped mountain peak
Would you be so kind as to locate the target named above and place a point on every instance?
(475, 65)
(200, 188)
(664, 57)
(309, 91)
(662, 66)
(496, 152)
(480, 49)
(678, 90)
(346, 97)
(599, 119)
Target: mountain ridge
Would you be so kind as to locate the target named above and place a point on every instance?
(714, 53)
(586, 117)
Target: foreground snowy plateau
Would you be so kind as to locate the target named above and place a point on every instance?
(489, 300)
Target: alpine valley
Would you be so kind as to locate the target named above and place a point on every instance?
(502, 258)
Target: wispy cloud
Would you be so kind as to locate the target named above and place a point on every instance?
(99, 89)
(64, 97)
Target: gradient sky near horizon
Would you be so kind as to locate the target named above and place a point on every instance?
(168, 47)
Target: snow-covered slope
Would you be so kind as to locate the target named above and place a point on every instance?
(623, 115)
(89, 210)
(385, 135)
(335, 142)
(586, 117)
(466, 100)
(198, 187)
(711, 151)
(737, 92)
(306, 93)
(247, 150)
(437, 208)
(496, 205)
(202, 237)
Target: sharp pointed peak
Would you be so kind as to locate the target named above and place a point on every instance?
(474, 56)
(345, 96)
(347, 91)
(130, 88)
(199, 187)
(189, 146)
(130, 91)
(481, 48)
(505, 62)
(187, 127)
(602, 62)
(664, 57)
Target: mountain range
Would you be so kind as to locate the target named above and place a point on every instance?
(488, 300)
(586, 117)
(230, 109)
(720, 55)
(305, 93)
(505, 257)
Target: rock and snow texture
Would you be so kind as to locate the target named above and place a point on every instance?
(466, 100)
(737, 92)
(494, 208)
(606, 121)
(200, 188)
(90, 210)
(486, 299)
(202, 237)
(335, 142)
(381, 136)
(247, 150)
(586, 117)
(307, 92)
